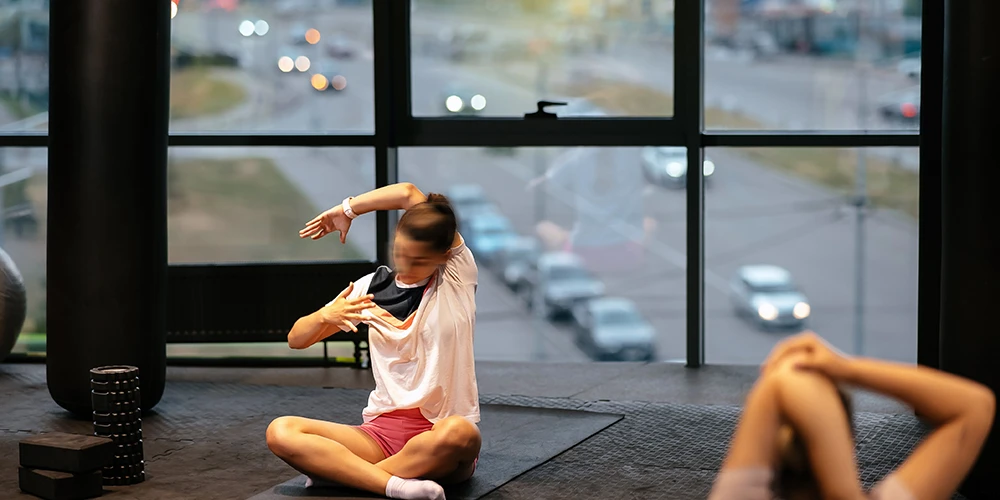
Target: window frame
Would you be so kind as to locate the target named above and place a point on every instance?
(396, 127)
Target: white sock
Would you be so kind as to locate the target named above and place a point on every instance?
(413, 489)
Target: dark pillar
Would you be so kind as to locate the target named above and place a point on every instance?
(970, 210)
(107, 256)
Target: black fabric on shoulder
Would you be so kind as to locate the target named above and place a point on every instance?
(401, 302)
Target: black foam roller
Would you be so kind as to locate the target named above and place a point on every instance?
(117, 418)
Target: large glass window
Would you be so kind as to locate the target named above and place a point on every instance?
(499, 57)
(248, 204)
(812, 65)
(824, 239)
(566, 240)
(24, 65)
(23, 191)
(272, 66)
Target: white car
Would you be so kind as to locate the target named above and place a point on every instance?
(667, 166)
(767, 296)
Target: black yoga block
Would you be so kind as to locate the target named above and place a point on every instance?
(53, 485)
(74, 453)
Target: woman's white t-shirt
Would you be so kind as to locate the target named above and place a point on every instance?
(420, 339)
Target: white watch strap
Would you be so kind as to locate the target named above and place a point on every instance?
(347, 209)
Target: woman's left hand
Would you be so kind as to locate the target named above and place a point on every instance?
(327, 222)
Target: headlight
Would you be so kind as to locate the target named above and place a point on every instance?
(767, 312)
(709, 168)
(454, 103)
(478, 102)
(801, 310)
(675, 169)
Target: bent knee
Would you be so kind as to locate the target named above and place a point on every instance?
(279, 434)
(457, 435)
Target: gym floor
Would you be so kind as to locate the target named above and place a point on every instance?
(205, 440)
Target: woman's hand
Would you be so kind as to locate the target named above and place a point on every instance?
(344, 312)
(327, 222)
(810, 352)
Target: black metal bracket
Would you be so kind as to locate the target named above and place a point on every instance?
(542, 113)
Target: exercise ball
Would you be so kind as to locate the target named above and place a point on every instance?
(13, 304)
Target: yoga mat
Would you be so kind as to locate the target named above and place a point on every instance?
(515, 440)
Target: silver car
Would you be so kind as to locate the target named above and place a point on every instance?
(513, 261)
(557, 282)
(470, 201)
(768, 297)
(613, 329)
(667, 166)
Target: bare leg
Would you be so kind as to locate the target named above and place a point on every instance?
(328, 451)
(445, 453)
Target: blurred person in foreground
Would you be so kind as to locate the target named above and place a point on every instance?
(794, 440)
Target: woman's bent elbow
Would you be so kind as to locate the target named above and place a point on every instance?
(295, 338)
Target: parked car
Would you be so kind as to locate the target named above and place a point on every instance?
(557, 282)
(487, 233)
(513, 261)
(668, 166)
(469, 200)
(613, 329)
(768, 297)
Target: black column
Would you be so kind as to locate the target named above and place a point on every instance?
(109, 79)
(970, 178)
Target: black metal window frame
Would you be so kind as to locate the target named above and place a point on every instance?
(396, 127)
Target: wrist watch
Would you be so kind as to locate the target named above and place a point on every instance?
(346, 205)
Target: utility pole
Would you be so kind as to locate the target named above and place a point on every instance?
(867, 49)
(541, 89)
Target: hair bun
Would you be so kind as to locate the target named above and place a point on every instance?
(436, 198)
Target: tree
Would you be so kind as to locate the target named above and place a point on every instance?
(913, 8)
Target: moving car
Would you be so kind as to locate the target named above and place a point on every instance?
(513, 261)
(297, 35)
(902, 108)
(910, 66)
(767, 296)
(327, 78)
(667, 166)
(340, 47)
(612, 329)
(487, 234)
(462, 100)
(557, 282)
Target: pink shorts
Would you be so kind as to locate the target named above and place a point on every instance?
(394, 429)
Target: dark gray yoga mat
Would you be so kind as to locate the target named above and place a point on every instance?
(515, 440)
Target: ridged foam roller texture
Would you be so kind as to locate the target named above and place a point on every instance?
(117, 406)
